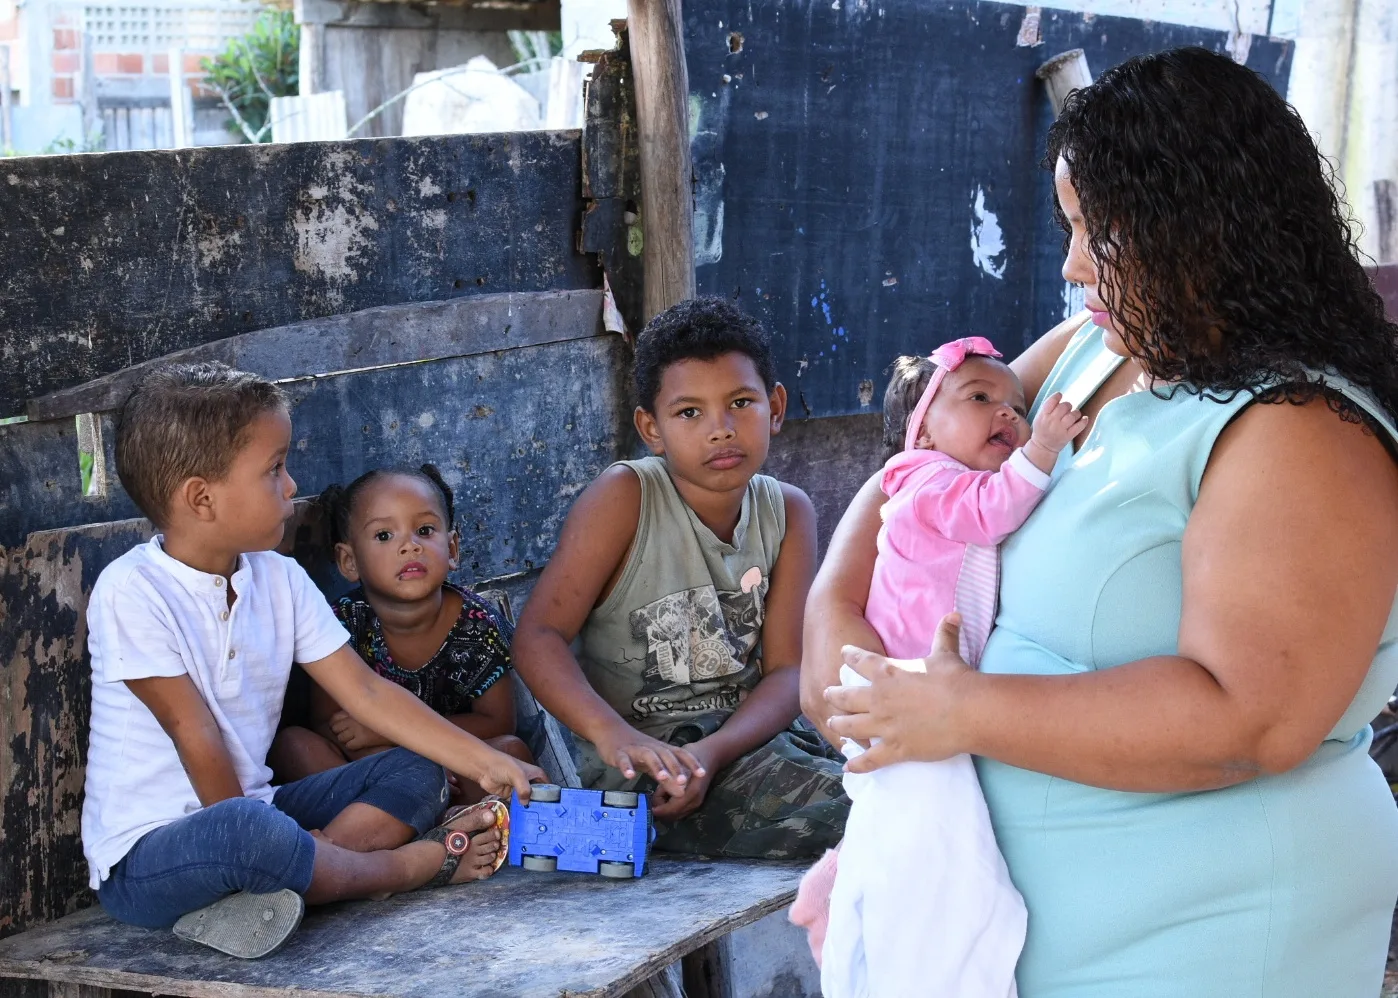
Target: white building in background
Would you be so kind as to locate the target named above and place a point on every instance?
(86, 71)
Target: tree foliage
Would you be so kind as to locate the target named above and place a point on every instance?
(253, 69)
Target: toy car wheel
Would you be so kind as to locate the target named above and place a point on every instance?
(620, 798)
(541, 864)
(616, 871)
(545, 793)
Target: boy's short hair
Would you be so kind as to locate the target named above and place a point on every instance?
(911, 376)
(698, 329)
(183, 421)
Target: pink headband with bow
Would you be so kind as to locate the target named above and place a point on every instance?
(948, 357)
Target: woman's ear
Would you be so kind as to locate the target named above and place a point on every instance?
(454, 549)
(649, 430)
(776, 400)
(344, 561)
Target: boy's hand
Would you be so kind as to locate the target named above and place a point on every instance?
(630, 751)
(498, 774)
(354, 736)
(673, 807)
(1056, 424)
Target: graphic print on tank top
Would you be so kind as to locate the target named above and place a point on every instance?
(699, 647)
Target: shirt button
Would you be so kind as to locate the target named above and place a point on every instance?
(218, 583)
(231, 653)
(223, 615)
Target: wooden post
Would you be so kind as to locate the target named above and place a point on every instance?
(656, 31)
(181, 106)
(87, 94)
(6, 129)
(708, 971)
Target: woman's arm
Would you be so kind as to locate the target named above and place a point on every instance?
(1290, 564)
(835, 607)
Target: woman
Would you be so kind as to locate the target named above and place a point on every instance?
(1197, 624)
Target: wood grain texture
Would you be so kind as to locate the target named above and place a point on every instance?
(517, 935)
(611, 176)
(375, 337)
(116, 258)
(662, 126)
(44, 703)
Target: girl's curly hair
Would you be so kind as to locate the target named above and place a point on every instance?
(337, 502)
(1227, 257)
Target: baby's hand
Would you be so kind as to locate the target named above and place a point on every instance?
(1055, 425)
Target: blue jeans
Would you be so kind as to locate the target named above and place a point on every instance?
(242, 844)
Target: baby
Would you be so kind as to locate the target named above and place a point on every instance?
(922, 902)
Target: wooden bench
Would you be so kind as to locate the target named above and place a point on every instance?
(518, 934)
(452, 377)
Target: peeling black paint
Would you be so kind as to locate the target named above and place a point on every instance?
(115, 258)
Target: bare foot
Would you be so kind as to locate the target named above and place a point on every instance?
(478, 862)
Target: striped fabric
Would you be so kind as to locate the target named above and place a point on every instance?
(977, 588)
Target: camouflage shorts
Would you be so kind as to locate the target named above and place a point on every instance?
(784, 800)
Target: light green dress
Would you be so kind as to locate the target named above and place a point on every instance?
(1283, 886)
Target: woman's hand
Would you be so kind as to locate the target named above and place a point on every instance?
(911, 709)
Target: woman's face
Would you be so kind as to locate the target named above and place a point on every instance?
(1080, 267)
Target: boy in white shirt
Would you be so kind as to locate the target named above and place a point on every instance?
(192, 638)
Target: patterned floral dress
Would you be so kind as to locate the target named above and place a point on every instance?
(473, 658)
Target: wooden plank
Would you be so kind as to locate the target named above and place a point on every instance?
(376, 337)
(517, 935)
(44, 704)
(61, 989)
(515, 430)
(612, 179)
(662, 126)
(540, 15)
(114, 259)
(708, 971)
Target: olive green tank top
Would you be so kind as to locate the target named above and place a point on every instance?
(678, 641)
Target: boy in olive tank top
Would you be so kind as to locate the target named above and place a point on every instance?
(682, 579)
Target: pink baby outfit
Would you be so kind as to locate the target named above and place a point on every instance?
(938, 547)
(922, 902)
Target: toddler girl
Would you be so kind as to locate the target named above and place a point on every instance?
(969, 474)
(393, 534)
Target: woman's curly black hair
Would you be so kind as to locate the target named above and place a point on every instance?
(1230, 263)
(337, 501)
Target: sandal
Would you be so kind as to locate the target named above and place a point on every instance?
(458, 842)
(244, 925)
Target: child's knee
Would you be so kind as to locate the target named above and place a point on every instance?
(513, 746)
(419, 775)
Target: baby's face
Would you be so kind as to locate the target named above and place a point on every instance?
(978, 415)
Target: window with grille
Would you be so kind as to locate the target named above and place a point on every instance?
(200, 25)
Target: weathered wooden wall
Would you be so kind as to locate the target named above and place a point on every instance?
(867, 173)
(517, 398)
(113, 259)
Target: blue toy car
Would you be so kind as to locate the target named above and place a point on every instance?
(586, 831)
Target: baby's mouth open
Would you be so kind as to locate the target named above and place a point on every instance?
(1004, 439)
